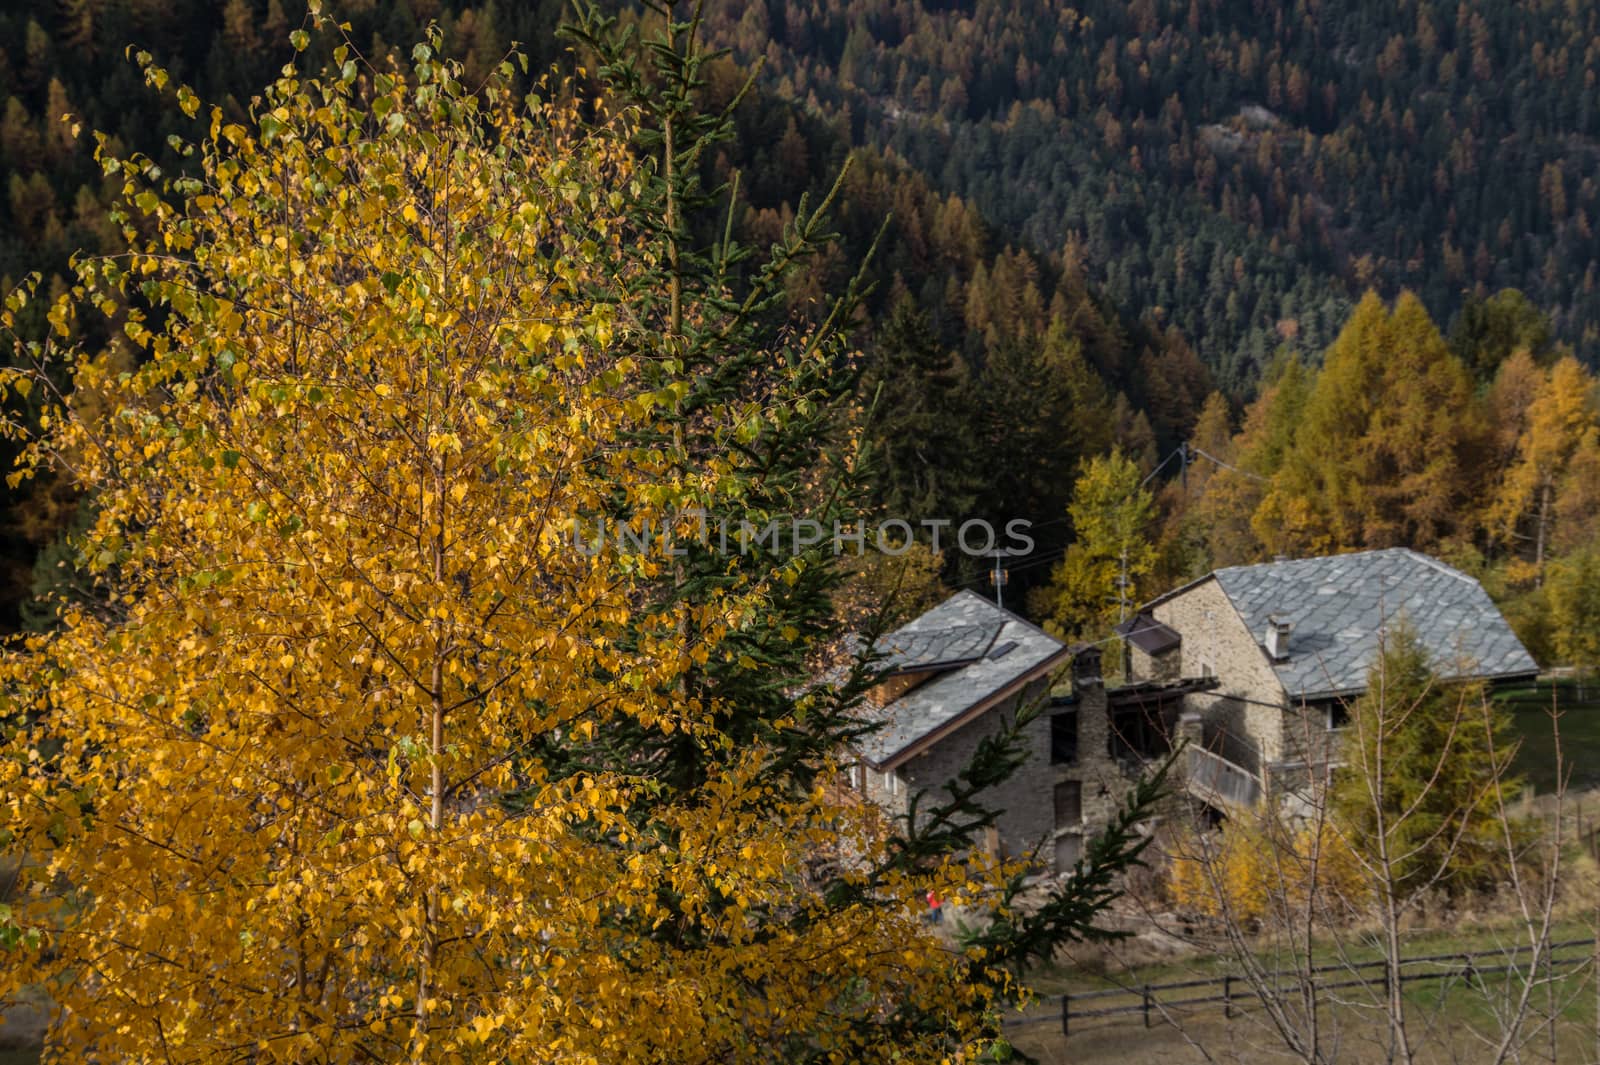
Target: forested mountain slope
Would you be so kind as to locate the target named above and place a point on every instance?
(1096, 217)
(1242, 169)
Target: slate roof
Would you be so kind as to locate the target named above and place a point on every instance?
(939, 703)
(1339, 604)
(911, 650)
(1148, 634)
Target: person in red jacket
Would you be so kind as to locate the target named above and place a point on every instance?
(935, 910)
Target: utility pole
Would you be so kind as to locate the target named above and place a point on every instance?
(998, 578)
(1122, 584)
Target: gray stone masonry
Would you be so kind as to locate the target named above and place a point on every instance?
(1104, 783)
(1024, 801)
(887, 789)
(1269, 713)
(1026, 823)
(1243, 717)
(1164, 667)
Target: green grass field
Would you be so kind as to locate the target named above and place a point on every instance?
(1450, 1017)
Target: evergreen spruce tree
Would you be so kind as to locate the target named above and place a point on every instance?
(1426, 765)
(921, 462)
(1042, 410)
(1489, 331)
(762, 398)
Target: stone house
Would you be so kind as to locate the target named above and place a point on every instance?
(1289, 644)
(960, 673)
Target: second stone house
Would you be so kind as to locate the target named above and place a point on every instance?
(1290, 644)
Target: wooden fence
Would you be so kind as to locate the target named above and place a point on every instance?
(1234, 993)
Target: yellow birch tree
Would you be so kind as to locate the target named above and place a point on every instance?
(323, 776)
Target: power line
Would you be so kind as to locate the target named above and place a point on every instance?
(1183, 452)
(1033, 563)
(1229, 466)
(1055, 556)
(1182, 448)
(988, 575)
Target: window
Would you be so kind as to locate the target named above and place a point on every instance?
(891, 780)
(1139, 731)
(1064, 738)
(1069, 803)
(855, 777)
(1069, 849)
(1338, 715)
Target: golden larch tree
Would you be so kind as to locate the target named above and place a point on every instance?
(1387, 445)
(1559, 427)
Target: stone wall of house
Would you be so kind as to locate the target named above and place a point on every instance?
(1296, 726)
(887, 789)
(1164, 667)
(1023, 800)
(1307, 741)
(1243, 719)
(1103, 783)
(1027, 825)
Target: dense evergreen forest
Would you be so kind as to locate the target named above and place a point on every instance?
(1242, 170)
(1336, 258)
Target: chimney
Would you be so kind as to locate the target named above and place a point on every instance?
(1278, 638)
(1086, 667)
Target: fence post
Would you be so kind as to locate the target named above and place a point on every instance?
(1066, 1016)
(1227, 996)
(1147, 1005)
